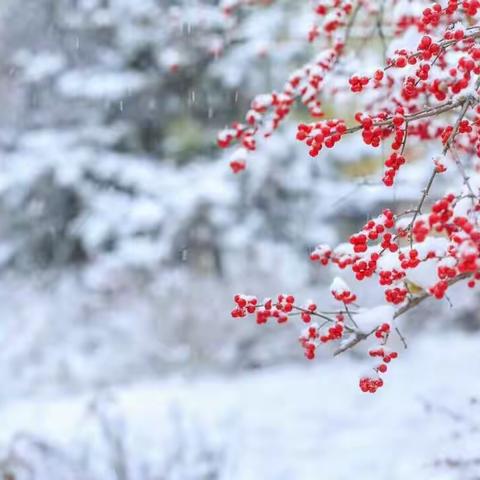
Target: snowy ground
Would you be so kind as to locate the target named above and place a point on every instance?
(302, 422)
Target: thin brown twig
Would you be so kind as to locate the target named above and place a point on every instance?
(402, 338)
(320, 315)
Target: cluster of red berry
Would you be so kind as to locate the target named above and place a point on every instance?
(312, 337)
(410, 260)
(309, 341)
(307, 312)
(341, 292)
(245, 305)
(331, 17)
(320, 134)
(393, 164)
(372, 131)
(388, 277)
(372, 384)
(396, 295)
(365, 267)
(428, 93)
(357, 84)
(322, 254)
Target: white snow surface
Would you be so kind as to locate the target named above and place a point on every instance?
(371, 318)
(339, 286)
(299, 422)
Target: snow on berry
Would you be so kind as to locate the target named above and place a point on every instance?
(238, 161)
(341, 291)
(322, 254)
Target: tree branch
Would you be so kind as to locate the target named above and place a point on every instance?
(412, 303)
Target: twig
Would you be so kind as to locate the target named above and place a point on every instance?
(426, 113)
(412, 303)
(463, 173)
(355, 339)
(467, 102)
(402, 338)
(350, 316)
(321, 315)
(418, 209)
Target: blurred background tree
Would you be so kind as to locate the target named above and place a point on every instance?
(113, 187)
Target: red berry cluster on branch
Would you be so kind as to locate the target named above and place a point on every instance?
(341, 292)
(425, 92)
(312, 336)
(321, 134)
(373, 383)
